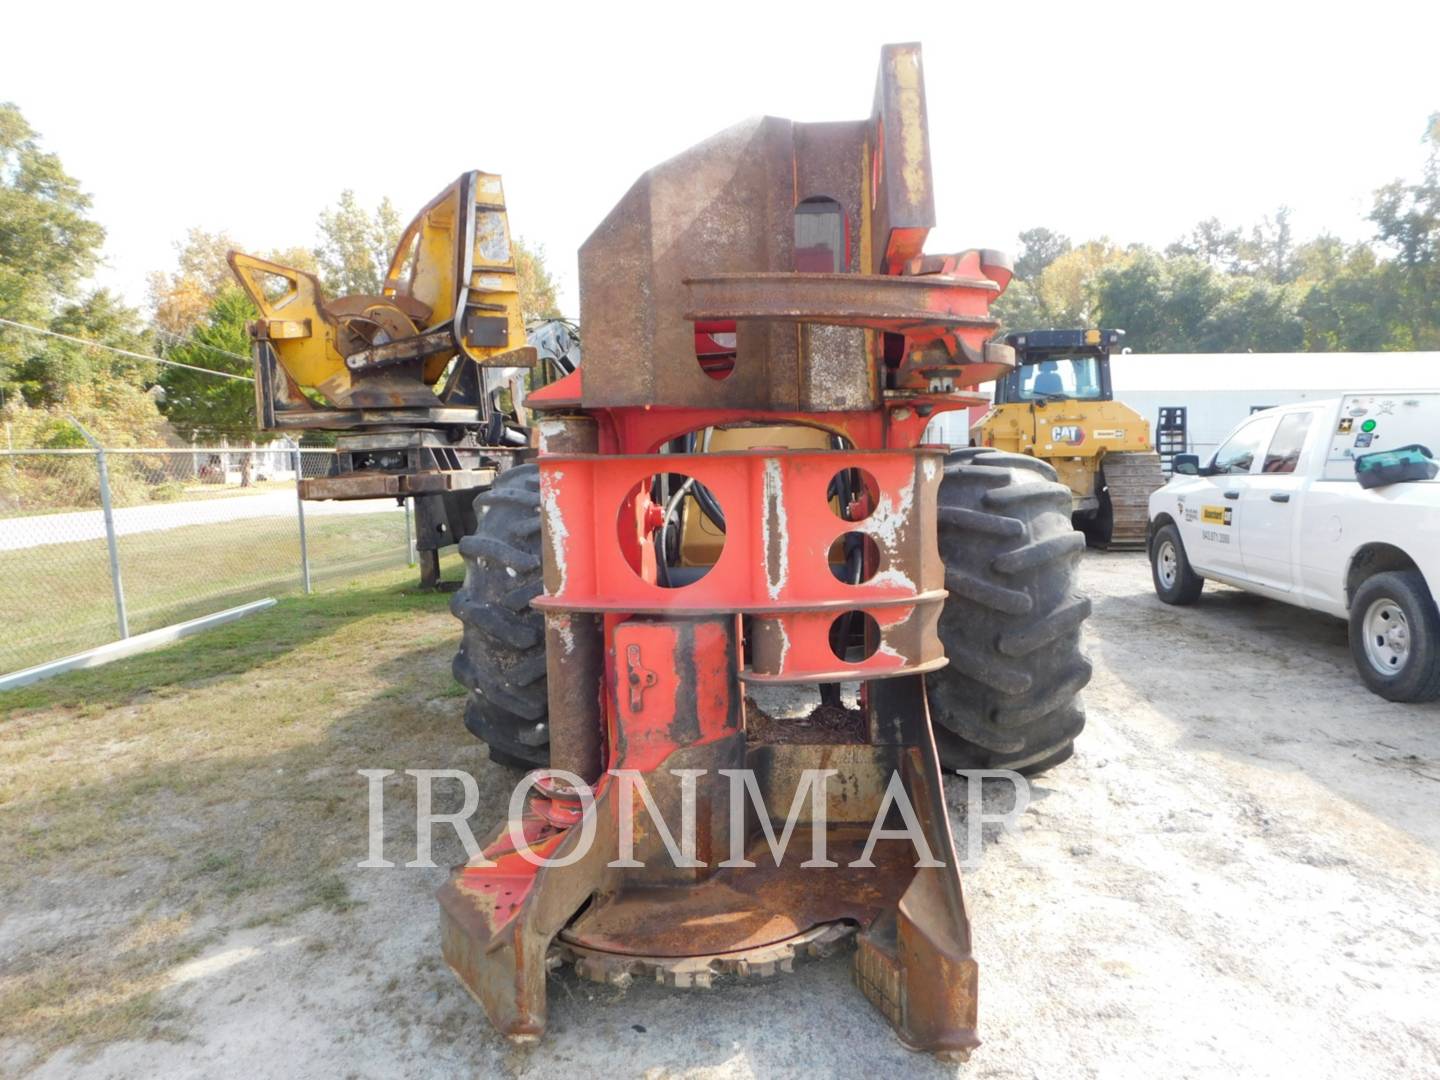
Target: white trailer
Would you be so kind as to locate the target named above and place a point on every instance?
(1218, 390)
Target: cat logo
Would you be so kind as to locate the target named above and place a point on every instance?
(1217, 515)
(1067, 433)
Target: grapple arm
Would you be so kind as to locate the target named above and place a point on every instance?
(450, 291)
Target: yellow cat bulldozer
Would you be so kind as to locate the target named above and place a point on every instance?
(1057, 405)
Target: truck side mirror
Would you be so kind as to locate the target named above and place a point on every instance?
(1185, 465)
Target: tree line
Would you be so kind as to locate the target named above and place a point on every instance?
(1216, 289)
(1225, 289)
(50, 248)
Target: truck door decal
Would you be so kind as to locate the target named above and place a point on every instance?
(1216, 515)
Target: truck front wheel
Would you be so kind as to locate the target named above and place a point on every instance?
(1175, 581)
(1395, 636)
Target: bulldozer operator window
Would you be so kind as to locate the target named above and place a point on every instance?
(1061, 376)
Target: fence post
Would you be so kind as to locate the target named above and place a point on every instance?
(300, 517)
(121, 620)
(409, 536)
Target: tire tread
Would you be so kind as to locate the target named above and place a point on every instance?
(501, 660)
(1010, 696)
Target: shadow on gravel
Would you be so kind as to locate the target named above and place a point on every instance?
(249, 847)
(1271, 684)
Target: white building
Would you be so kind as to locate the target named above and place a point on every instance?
(1219, 390)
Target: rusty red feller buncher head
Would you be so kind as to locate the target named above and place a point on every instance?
(771, 275)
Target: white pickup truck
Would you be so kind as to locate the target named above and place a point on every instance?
(1278, 511)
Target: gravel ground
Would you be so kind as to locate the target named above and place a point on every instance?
(1237, 873)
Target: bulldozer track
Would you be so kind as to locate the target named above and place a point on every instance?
(1129, 480)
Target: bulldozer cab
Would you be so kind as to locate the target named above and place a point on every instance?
(1058, 405)
(1058, 365)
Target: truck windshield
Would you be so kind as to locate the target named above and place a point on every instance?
(1061, 376)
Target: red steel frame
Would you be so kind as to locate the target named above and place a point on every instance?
(653, 679)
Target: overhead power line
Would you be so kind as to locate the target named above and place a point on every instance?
(134, 355)
(184, 339)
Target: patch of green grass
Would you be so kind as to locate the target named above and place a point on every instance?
(230, 874)
(332, 894)
(237, 646)
(207, 787)
(60, 600)
(66, 996)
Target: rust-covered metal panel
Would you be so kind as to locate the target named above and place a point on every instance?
(729, 206)
(904, 197)
(379, 485)
(772, 275)
(722, 205)
(880, 301)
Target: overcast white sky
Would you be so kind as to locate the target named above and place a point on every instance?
(1132, 121)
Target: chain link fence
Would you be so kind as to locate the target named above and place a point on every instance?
(97, 545)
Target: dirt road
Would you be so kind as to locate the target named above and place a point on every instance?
(1237, 874)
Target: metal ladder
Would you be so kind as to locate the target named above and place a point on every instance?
(1171, 435)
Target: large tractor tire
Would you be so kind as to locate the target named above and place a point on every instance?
(1010, 696)
(501, 661)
